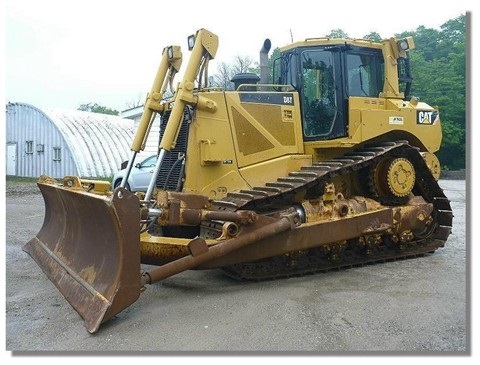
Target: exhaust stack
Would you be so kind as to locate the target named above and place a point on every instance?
(264, 61)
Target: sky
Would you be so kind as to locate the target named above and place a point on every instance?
(62, 54)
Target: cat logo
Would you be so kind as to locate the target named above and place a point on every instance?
(427, 117)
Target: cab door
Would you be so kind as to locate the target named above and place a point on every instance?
(322, 94)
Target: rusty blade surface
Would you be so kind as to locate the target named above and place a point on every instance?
(88, 247)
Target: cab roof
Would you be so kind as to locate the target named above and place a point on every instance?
(325, 41)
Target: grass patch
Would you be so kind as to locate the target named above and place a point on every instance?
(20, 179)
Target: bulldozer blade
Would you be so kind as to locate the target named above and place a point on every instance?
(88, 247)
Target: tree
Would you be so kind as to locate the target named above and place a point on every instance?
(373, 36)
(138, 101)
(453, 150)
(225, 71)
(222, 77)
(95, 108)
(273, 56)
(426, 39)
(439, 79)
(454, 30)
(242, 64)
(337, 33)
(439, 43)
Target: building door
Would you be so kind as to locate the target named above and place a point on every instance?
(12, 159)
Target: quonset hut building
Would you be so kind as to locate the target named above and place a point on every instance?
(59, 143)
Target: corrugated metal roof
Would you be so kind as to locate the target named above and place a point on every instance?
(98, 142)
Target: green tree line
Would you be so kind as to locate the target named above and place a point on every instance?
(96, 108)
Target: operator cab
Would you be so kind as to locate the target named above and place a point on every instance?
(326, 76)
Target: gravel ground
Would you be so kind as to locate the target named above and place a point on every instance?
(417, 306)
(18, 189)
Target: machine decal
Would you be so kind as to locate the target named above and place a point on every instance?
(395, 120)
(267, 98)
(427, 117)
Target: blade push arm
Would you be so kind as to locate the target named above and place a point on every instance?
(169, 66)
(204, 49)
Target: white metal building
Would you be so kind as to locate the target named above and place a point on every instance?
(59, 143)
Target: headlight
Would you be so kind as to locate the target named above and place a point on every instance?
(170, 52)
(403, 45)
(191, 42)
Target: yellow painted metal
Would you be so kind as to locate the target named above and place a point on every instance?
(401, 177)
(264, 131)
(212, 169)
(223, 163)
(391, 54)
(205, 42)
(395, 176)
(169, 65)
(96, 186)
(433, 164)
(312, 42)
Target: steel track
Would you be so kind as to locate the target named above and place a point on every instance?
(310, 181)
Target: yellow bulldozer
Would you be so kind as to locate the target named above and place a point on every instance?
(329, 165)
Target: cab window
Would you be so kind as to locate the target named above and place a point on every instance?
(364, 74)
(318, 92)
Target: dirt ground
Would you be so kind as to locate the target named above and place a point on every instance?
(414, 306)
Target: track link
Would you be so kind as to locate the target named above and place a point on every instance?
(310, 181)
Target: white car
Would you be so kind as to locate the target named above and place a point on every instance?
(139, 176)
